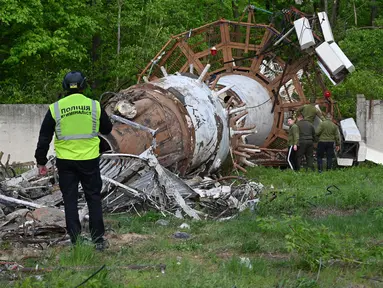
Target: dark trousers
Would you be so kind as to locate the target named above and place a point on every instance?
(292, 158)
(328, 148)
(71, 173)
(306, 148)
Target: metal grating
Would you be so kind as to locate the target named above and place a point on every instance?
(278, 143)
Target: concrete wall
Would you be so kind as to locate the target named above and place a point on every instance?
(369, 119)
(19, 130)
(20, 126)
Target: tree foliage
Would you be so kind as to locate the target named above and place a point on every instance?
(44, 39)
(41, 39)
(364, 49)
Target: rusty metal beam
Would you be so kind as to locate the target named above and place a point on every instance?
(155, 57)
(191, 56)
(227, 52)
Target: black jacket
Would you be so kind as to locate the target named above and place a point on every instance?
(48, 129)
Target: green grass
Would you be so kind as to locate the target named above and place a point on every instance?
(301, 235)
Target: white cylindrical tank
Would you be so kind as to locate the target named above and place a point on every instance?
(258, 103)
(208, 117)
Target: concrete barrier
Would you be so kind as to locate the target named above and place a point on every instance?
(19, 130)
(20, 127)
(369, 119)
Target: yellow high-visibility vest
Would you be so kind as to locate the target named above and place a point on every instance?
(77, 124)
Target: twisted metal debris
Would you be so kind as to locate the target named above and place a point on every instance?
(31, 209)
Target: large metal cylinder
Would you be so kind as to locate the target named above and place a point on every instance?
(192, 126)
(209, 120)
(258, 105)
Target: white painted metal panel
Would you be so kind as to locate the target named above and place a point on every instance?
(329, 58)
(362, 152)
(344, 161)
(374, 155)
(324, 70)
(304, 33)
(326, 27)
(350, 130)
(346, 62)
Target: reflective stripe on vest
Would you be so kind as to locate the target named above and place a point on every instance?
(76, 136)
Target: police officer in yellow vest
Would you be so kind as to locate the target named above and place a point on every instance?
(76, 120)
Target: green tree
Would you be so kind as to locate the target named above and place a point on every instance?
(364, 49)
(111, 41)
(42, 40)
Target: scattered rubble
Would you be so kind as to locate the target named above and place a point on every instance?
(245, 261)
(181, 235)
(6, 170)
(185, 226)
(162, 222)
(32, 208)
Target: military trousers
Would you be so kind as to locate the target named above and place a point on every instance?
(328, 148)
(306, 149)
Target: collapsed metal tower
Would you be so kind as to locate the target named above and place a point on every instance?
(224, 88)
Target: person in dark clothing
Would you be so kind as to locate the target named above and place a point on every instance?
(328, 137)
(76, 121)
(307, 138)
(292, 142)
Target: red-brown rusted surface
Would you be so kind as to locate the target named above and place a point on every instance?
(156, 109)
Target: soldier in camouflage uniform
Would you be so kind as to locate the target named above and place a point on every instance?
(328, 135)
(309, 111)
(307, 138)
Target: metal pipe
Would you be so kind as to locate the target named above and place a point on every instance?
(11, 200)
(284, 36)
(164, 72)
(132, 191)
(138, 126)
(203, 74)
(223, 90)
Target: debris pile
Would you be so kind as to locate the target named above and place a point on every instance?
(31, 207)
(6, 171)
